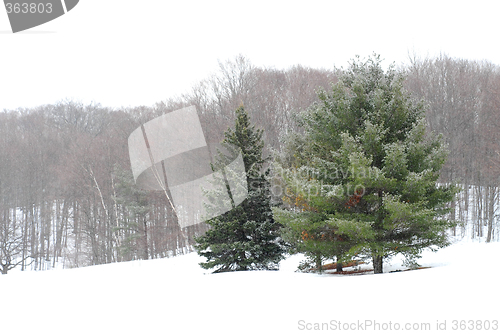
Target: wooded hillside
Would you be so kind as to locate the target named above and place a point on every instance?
(66, 190)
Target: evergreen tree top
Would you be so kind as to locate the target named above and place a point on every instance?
(369, 104)
(248, 139)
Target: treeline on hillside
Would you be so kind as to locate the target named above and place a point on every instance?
(463, 100)
(66, 190)
(67, 195)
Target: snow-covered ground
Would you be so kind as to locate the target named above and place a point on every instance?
(176, 296)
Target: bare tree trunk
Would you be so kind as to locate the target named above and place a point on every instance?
(145, 249)
(491, 212)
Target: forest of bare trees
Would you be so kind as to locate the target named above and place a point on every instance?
(67, 196)
(463, 100)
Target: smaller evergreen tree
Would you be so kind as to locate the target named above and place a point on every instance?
(131, 232)
(246, 237)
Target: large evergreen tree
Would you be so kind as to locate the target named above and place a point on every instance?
(247, 237)
(363, 177)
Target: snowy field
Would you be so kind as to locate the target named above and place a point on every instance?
(176, 296)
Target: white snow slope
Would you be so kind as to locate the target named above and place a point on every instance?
(460, 293)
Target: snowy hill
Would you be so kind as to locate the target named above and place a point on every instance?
(176, 296)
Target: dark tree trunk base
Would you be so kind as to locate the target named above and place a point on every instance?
(378, 264)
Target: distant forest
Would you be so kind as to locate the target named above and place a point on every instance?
(67, 196)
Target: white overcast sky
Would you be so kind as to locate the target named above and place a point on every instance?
(130, 53)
